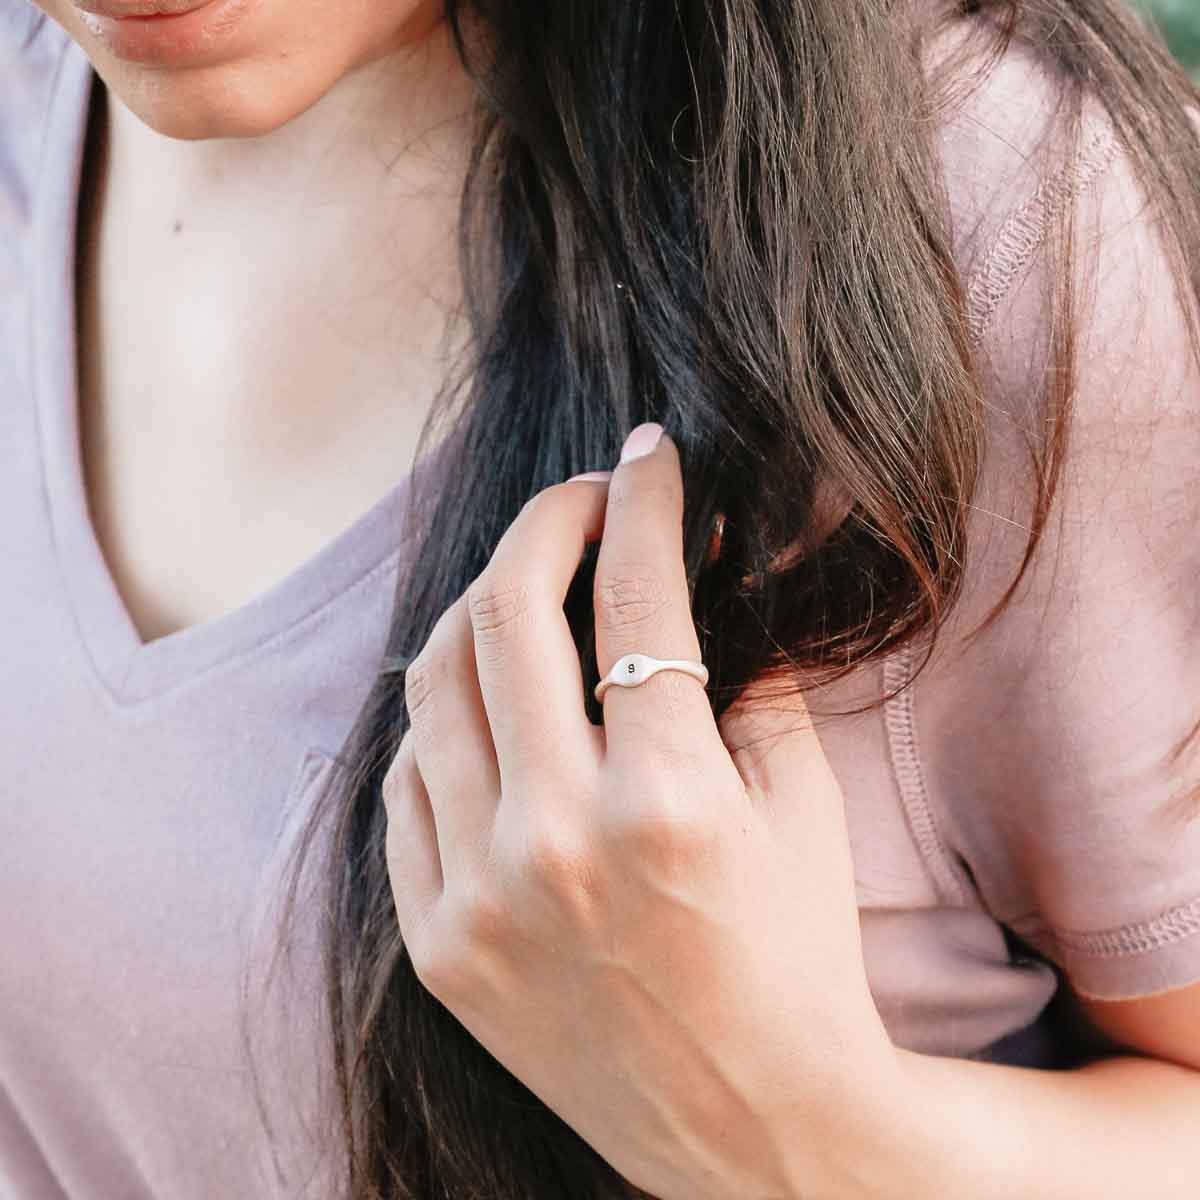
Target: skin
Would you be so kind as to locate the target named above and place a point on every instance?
(282, 203)
(613, 892)
(622, 892)
(290, 206)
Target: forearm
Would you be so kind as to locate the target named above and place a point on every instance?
(1116, 1128)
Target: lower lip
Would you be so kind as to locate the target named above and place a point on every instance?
(168, 40)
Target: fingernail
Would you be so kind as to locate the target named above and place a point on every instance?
(591, 475)
(641, 441)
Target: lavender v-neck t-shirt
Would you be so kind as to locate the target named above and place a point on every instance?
(1013, 815)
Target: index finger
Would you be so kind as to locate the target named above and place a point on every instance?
(642, 605)
(527, 662)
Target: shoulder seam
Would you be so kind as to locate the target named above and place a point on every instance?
(1023, 232)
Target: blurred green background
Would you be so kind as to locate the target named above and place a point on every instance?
(1180, 22)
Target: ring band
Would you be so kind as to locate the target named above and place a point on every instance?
(631, 670)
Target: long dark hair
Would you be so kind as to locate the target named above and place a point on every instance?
(726, 216)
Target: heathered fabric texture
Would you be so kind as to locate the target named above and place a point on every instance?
(1013, 814)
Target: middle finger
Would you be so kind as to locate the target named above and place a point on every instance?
(642, 605)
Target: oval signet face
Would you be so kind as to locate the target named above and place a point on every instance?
(635, 669)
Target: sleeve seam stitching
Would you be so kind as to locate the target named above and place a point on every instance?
(1168, 928)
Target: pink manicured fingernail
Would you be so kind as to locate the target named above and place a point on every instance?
(641, 441)
(598, 475)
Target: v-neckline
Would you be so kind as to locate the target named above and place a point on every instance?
(133, 671)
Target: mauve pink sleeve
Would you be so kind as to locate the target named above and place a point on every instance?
(1053, 745)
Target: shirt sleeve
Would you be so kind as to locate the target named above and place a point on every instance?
(1054, 743)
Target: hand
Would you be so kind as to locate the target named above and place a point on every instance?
(651, 923)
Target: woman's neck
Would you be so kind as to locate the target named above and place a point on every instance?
(367, 172)
(304, 276)
(256, 317)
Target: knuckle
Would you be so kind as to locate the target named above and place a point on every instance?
(439, 971)
(442, 954)
(422, 680)
(483, 918)
(669, 835)
(497, 605)
(630, 595)
(551, 855)
(557, 864)
(434, 961)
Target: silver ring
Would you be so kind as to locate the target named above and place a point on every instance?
(631, 670)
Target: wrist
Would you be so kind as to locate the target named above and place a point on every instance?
(889, 1146)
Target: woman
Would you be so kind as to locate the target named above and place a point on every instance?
(909, 289)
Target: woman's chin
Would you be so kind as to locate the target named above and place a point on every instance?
(237, 100)
(237, 68)
(248, 82)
